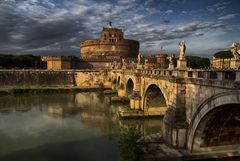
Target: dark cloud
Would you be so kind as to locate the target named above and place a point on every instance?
(8, 21)
(28, 33)
(52, 26)
(165, 21)
(193, 29)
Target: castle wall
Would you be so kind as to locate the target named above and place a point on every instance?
(128, 48)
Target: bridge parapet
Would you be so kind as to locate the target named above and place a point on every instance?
(233, 75)
(221, 75)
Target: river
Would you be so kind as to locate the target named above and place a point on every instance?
(63, 127)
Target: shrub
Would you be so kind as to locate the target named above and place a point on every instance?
(129, 149)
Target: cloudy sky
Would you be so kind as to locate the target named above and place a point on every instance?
(55, 27)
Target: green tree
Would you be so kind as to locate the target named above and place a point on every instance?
(197, 62)
(224, 54)
(129, 149)
(20, 61)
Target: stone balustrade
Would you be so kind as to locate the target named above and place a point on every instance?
(221, 75)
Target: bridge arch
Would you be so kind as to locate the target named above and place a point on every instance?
(114, 81)
(216, 124)
(129, 86)
(154, 98)
(118, 80)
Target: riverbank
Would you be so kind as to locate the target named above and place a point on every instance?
(50, 89)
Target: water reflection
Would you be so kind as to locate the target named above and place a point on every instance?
(56, 126)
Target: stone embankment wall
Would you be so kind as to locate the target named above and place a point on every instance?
(23, 78)
(46, 78)
(98, 78)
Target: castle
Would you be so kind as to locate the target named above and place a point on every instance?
(110, 46)
(98, 53)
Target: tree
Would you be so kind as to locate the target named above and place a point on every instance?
(20, 61)
(197, 62)
(129, 149)
(224, 54)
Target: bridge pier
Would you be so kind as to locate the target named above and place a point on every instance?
(135, 101)
(175, 125)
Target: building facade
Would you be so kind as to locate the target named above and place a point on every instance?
(220, 63)
(59, 62)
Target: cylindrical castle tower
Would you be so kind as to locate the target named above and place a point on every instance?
(111, 45)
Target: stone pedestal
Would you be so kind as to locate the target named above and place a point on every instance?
(139, 66)
(175, 127)
(235, 64)
(171, 66)
(182, 64)
(124, 67)
(134, 103)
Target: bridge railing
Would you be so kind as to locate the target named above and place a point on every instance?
(230, 75)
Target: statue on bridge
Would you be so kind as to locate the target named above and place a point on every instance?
(139, 58)
(124, 64)
(182, 63)
(171, 64)
(182, 47)
(170, 58)
(234, 50)
(114, 65)
(123, 61)
(145, 61)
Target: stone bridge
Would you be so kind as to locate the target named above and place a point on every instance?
(201, 108)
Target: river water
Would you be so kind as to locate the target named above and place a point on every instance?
(63, 127)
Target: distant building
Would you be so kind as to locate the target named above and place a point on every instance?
(156, 61)
(220, 63)
(60, 62)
